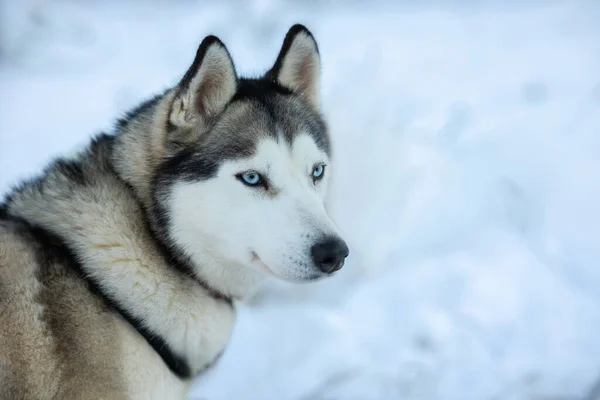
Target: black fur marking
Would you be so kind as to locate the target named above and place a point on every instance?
(258, 89)
(202, 163)
(70, 170)
(188, 165)
(265, 91)
(285, 48)
(53, 249)
(101, 148)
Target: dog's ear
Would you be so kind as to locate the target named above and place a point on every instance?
(207, 86)
(298, 66)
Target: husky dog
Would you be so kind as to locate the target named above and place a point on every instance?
(120, 267)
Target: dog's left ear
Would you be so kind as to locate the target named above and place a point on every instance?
(298, 66)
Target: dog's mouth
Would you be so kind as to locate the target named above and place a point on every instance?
(315, 276)
(255, 258)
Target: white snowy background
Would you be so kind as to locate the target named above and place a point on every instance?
(467, 182)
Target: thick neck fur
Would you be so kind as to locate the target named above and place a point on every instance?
(141, 145)
(96, 214)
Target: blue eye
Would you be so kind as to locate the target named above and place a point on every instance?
(318, 172)
(251, 178)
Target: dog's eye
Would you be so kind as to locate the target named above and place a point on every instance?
(251, 178)
(318, 172)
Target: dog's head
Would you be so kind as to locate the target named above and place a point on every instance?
(246, 165)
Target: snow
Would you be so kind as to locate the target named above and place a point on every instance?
(467, 183)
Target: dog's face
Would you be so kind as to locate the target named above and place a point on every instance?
(246, 183)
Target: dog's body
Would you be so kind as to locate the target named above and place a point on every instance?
(119, 267)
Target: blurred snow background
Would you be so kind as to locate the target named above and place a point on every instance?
(468, 182)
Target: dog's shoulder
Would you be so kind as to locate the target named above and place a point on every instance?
(52, 327)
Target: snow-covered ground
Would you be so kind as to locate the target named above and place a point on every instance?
(468, 182)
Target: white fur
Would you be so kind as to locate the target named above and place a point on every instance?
(234, 222)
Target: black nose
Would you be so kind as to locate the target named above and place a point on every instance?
(329, 254)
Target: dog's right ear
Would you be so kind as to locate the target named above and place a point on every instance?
(207, 86)
(298, 65)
